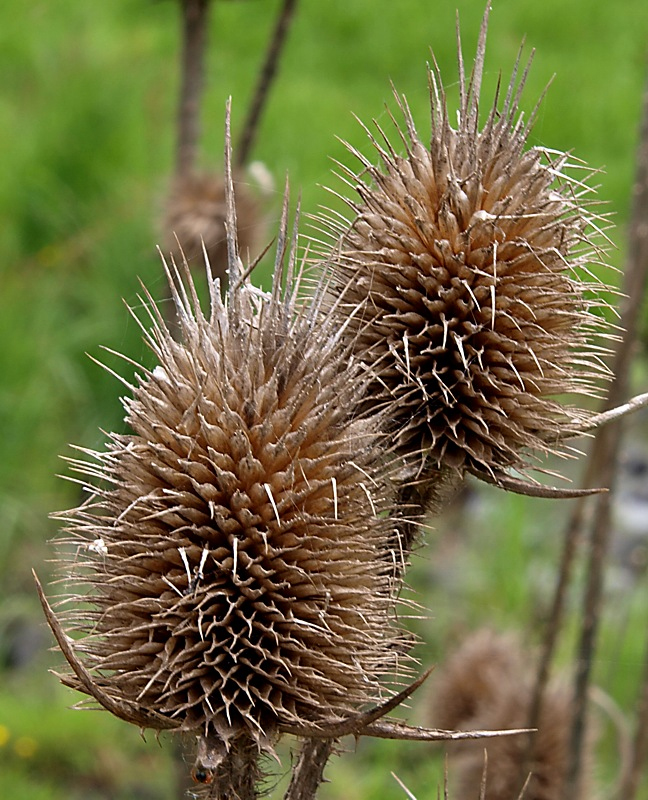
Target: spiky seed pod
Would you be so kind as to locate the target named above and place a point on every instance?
(473, 677)
(467, 257)
(543, 774)
(232, 567)
(488, 683)
(194, 216)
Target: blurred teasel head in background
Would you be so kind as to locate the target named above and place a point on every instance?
(468, 259)
(194, 219)
(488, 682)
(231, 573)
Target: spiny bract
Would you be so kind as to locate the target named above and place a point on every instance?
(466, 258)
(233, 563)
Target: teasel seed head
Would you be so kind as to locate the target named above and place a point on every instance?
(488, 682)
(231, 572)
(468, 259)
(194, 217)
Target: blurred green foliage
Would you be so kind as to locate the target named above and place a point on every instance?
(87, 106)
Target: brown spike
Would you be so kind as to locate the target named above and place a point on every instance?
(121, 708)
(519, 486)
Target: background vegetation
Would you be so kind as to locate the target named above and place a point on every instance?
(87, 105)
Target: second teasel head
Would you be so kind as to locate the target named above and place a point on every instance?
(465, 264)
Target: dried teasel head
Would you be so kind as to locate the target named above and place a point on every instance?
(194, 218)
(468, 259)
(231, 572)
(489, 682)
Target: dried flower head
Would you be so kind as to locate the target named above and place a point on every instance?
(194, 217)
(488, 682)
(468, 260)
(469, 681)
(232, 565)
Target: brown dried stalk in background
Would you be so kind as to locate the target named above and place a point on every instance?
(195, 30)
(468, 259)
(600, 470)
(604, 460)
(266, 77)
(195, 209)
(194, 212)
(639, 758)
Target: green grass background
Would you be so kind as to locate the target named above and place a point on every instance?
(87, 105)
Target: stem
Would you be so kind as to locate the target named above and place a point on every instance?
(308, 773)
(554, 623)
(639, 757)
(604, 454)
(591, 614)
(266, 76)
(427, 496)
(238, 774)
(195, 15)
(573, 533)
(638, 267)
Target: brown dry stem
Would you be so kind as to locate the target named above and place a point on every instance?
(195, 18)
(605, 451)
(308, 772)
(265, 79)
(639, 757)
(237, 777)
(637, 272)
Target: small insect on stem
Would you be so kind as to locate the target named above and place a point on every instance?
(209, 756)
(201, 774)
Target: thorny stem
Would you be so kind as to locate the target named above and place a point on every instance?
(266, 76)
(238, 775)
(604, 454)
(308, 772)
(195, 15)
